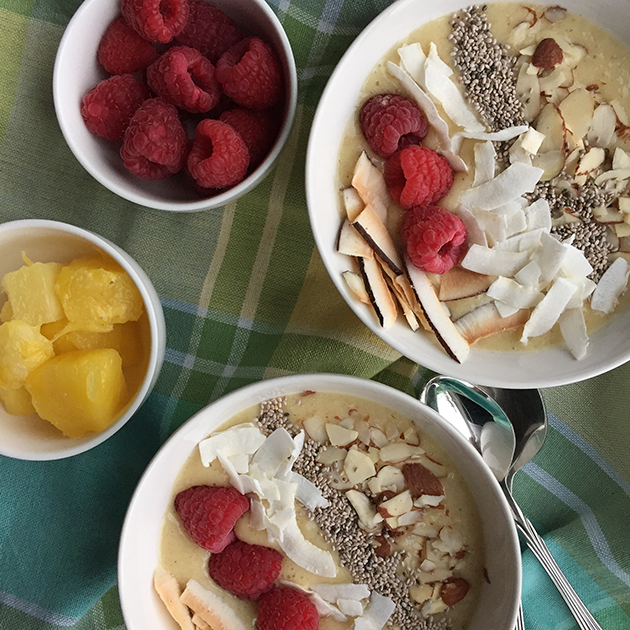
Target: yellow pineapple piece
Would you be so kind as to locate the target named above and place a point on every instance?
(17, 402)
(22, 349)
(124, 338)
(31, 291)
(6, 313)
(97, 293)
(79, 392)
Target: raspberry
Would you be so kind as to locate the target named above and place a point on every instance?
(208, 514)
(286, 609)
(156, 20)
(108, 107)
(258, 128)
(155, 141)
(250, 73)
(436, 239)
(245, 570)
(391, 122)
(209, 30)
(184, 77)
(121, 50)
(218, 157)
(417, 176)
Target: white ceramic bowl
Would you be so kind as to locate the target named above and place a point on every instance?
(609, 345)
(77, 71)
(30, 437)
(138, 551)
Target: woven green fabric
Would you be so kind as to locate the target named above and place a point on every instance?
(246, 297)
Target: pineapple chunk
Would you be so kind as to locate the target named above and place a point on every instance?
(124, 338)
(22, 349)
(97, 293)
(17, 402)
(31, 291)
(79, 392)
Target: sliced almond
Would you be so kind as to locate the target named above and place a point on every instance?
(551, 162)
(551, 124)
(396, 506)
(340, 436)
(358, 466)
(528, 93)
(577, 111)
(421, 481)
(603, 124)
(398, 452)
(369, 518)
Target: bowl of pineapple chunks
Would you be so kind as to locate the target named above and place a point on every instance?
(82, 339)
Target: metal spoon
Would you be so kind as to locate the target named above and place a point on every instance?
(526, 412)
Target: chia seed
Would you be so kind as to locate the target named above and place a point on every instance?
(339, 525)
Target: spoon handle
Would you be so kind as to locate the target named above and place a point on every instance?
(520, 621)
(537, 545)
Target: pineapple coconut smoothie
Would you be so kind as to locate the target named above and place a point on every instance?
(338, 504)
(74, 343)
(526, 109)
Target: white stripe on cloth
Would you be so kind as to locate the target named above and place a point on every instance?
(33, 610)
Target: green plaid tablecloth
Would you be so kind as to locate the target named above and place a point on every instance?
(246, 297)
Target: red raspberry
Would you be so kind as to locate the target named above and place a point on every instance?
(219, 156)
(156, 20)
(286, 609)
(184, 77)
(208, 514)
(250, 73)
(417, 176)
(121, 50)
(209, 30)
(258, 128)
(436, 239)
(391, 122)
(245, 570)
(155, 141)
(108, 107)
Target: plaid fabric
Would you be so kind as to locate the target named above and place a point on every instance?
(246, 297)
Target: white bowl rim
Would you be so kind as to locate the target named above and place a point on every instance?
(157, 328)
(250, 182)
(262, 390)
(439, 362)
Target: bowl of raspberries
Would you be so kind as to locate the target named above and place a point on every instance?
(179, 105)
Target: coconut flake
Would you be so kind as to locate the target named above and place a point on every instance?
(611, 285)
(493, 136)
(494, 262)
(370, 184)
(324, 608)
(510, 184)
(573, 329)
(333, 592)
(549, 256)
(276, 455)
(539, 216)
(529, 275)
(485, 162)
(377, 613)
(549, 309)
(243, 439)
(439, 85)
(514, 294)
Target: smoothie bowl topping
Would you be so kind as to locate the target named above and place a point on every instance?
(485, 194)
(338, 510)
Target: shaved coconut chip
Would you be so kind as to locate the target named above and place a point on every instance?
(549, 309)
(377, 613)
(525, 242)
(602, 130)
(333, 592)
(505, 310)
(585, 287)
(351, 243)
(493, 225)
(324, 608)
(620, 174)
(414, 61)
(276, 455)
(485, 162)
(549, 256)
(529, 275)
(514, 294)
(380, 295)
(450, 338)
(350, 607)
(434, 119)
(236, 480)
(493, 136)
(516, 221)
(243, 439)
(512, 183)
(304, 553)
(439, 85)
(352, 202)
(531, 140)
(575, 263)
(370, 184)
(258, 516)
(307, 493)
(475, 232)
(486, 320)
(573, 329)
(611, 285)
(240, 461)
(356, 285)
(369, 225)
(539, 215)
(458, 283)
(494, 262)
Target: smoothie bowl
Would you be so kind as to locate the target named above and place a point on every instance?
(337, 493)
(469, 197)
